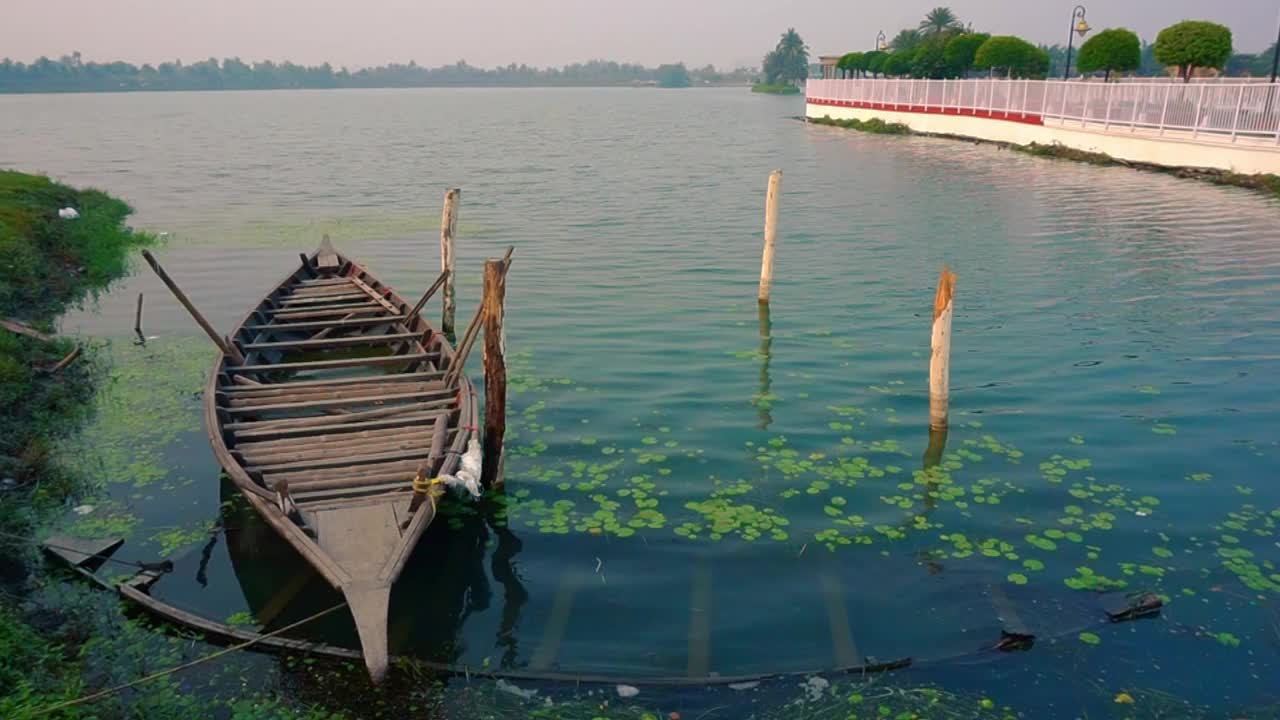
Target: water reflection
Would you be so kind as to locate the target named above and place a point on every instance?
(446, 582)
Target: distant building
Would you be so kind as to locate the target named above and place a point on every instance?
(827, 67)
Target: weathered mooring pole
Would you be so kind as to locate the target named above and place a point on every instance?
(448, 231)
(940, 355)
(493, 307)
(137, 322)
(770, 233)
(227, 347)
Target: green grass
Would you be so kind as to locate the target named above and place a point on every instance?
(874, 125)
(47, 264)
(1269, 184)
(776, 89)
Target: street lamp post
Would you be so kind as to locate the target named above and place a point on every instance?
(1078, 25)
(1275, 60)
(880, 43)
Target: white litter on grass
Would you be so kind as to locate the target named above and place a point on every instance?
(814, 687)
(627, 691)
(82, 509)
(744, 685)
(68, 213)
(507, 687)
(467, 478)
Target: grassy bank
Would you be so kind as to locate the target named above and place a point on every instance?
(50, 263)
(775, 89)
(1269, 184)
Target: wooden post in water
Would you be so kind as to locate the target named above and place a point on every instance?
(448, 230)
(770, 233)
(940, 356)
(226, 346)
(495, 369)
(137, 322)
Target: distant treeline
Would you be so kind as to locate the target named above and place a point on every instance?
(71, 74)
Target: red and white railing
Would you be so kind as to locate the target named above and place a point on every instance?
(1223, 111)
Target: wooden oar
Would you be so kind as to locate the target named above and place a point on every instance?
(430, 291)
(226, 346)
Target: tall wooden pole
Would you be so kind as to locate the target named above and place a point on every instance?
(227, 347)
(495, 371)
(770, 233)
(940, 356)
(448, 231)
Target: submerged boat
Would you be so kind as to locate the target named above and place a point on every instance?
(341, 414)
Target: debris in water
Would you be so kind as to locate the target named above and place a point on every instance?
(82, 509)
(627, 691)
(68, 213)
(507, 687)
(744, 685)
(814, 687)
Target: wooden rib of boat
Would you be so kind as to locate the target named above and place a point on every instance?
(344, 397)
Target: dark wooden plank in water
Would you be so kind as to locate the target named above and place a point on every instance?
(339, 363)
(350, 341)
(80, 551)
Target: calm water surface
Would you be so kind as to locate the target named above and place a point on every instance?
(698, 487)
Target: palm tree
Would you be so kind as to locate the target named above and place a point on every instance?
(791, 57)
(938, 21)
(906, 39)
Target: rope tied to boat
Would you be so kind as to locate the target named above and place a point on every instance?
(422, 485)
(199, 661)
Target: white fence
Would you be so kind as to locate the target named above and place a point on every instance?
(1212, 111)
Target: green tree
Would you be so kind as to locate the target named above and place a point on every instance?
(1193, 43)
(850, 63)
(1015, 56)
(874, 61)
(939, 20)
(789, 61)
(899, 63)
(1112, 50)
(672, 76)
(960, 50)
(906, 40)
(930, 59)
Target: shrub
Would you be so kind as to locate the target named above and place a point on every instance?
(899, 63)
(1015, 56)
(1113, 50)
(960, 50)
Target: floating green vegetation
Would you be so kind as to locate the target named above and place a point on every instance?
(873, 125)
(171, 540)
(1089, 638)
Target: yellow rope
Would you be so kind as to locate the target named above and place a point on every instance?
(225, 651)
(422, 485)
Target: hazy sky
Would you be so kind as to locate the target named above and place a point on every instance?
(358, 33)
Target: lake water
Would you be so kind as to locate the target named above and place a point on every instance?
(696, 487)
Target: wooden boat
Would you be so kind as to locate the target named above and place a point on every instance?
(333, 404)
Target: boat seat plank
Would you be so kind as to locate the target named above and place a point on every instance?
(335, 309)
(368, 436)
(323, 393)
(345, 496)
(272, 404)
(294, 385)
(339, 363)
(329, 324)
(292, 301)
(375, 295)
(247, 428)
(408, 419)
(300, 479)
(350, 341)
(324, 463)
(308, 452)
